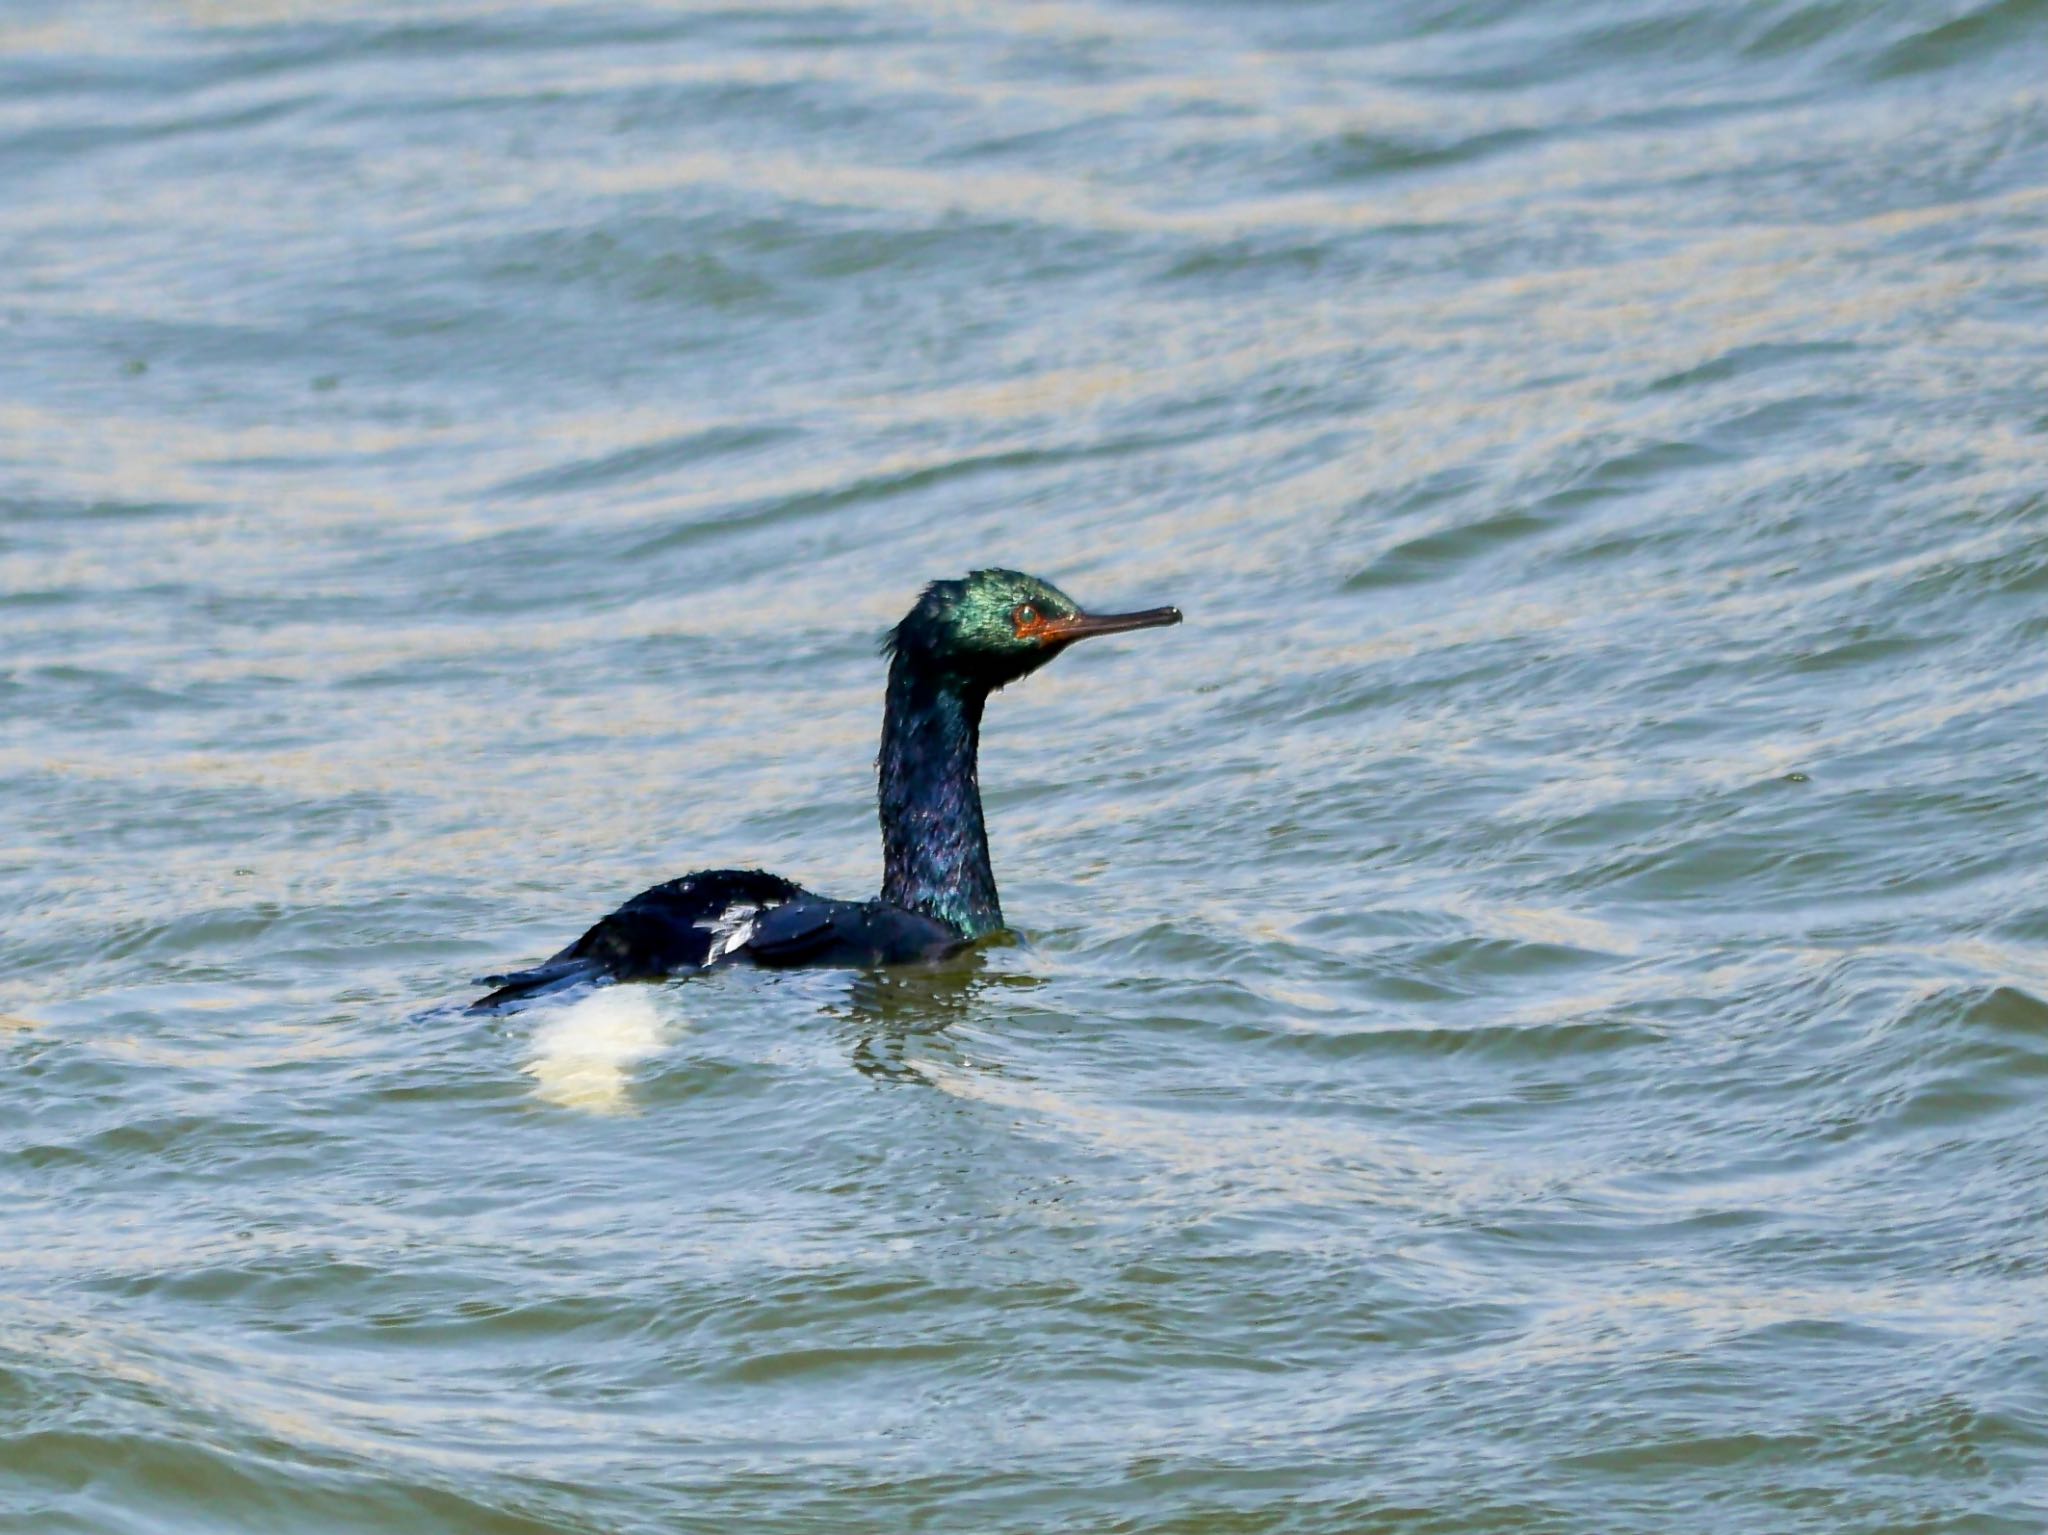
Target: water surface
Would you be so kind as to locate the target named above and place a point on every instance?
(1534, 1008)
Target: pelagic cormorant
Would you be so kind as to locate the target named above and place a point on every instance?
(962, 641)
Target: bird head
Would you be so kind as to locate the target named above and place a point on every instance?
(999, 625)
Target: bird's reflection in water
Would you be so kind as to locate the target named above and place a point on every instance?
(897, 1020)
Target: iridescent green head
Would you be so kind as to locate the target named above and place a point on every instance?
(999, 625)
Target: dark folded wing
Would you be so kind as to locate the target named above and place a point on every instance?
(811, 930)
(683, 925)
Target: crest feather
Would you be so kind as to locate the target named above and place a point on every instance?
(931, 602)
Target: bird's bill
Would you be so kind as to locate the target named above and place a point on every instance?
(1084, 626)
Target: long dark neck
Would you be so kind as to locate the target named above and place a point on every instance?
(934, 847)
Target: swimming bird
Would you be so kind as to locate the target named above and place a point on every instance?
(961, 642)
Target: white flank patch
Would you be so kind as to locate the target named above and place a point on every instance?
(729, 930)
(582, 1049)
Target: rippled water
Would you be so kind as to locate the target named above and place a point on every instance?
(1534, 1014)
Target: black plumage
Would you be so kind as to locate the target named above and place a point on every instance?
(962, 641)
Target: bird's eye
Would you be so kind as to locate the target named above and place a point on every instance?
(1024, 615)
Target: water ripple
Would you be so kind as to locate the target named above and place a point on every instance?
(1530, 1012)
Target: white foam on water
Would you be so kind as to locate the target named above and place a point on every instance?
(583, 1049)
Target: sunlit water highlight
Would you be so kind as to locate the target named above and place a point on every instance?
(584, 1047)
(1535, 1008)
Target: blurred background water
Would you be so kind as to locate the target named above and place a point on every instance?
(1534, 1014)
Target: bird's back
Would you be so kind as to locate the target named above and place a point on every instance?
(723, 917)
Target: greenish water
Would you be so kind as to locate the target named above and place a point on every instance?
(1534, 1014)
